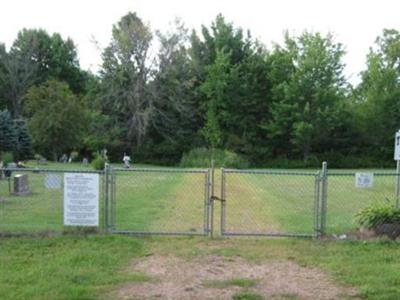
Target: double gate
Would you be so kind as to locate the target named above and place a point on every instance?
(208, 202)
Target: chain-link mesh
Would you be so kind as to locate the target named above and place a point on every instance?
(345, 199)
(38, 208)
(160, 201)
(268, 203)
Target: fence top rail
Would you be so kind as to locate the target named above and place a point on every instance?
(44, 170)
(353, 173)
(160, 170)
(271, 172)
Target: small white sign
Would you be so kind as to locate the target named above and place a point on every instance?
(364, 180)
(52, 181)
(81, 199)
(397, 146)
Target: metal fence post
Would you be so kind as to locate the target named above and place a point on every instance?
(324, 197)
(212, 198)
(317, 193)
(398, 184)
(106, 197)
(223, 201)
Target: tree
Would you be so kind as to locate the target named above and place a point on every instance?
(57, 118)
(34, 57)
(378, 95)
(23, 141)
(124, 77)
(7, 132)
(176, 116)
(308, 92)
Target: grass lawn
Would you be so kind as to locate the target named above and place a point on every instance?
(93, 267)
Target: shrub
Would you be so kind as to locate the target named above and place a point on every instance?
(377, 214)
(7, 157)
(201, 158)
(98, 163)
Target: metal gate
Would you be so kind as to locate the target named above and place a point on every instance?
(271, 203)
(158, 201)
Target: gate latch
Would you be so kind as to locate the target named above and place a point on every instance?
(215, 198)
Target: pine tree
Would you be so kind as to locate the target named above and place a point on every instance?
(23, 146)
(7, 132)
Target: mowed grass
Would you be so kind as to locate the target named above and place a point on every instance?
(94, 267)
(160, 202)
(65, 267)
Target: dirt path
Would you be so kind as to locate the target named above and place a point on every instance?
(217, 277)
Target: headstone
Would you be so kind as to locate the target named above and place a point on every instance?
(42, 161)
(52, 181)
(85, 161)
(21, 186)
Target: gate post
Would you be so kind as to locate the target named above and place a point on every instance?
(317, 194)
(106, 197)
(212, 198)
(324, 197)
(223, 201)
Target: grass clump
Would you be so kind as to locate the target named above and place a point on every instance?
(247, 296)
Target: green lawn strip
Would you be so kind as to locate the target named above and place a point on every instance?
(65, 267)
(184, 212)
(260, 203)
(143, 198)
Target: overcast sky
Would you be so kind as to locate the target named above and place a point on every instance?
(355, 23)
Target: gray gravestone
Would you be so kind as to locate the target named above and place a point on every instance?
(21, 186)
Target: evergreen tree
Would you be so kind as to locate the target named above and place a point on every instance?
(23, 145)
(7, 132)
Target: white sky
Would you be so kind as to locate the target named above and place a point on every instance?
(355, 23)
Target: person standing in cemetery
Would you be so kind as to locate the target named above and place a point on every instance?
(126, 159)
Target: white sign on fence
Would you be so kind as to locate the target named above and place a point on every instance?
(81, 199)
(364, 180)
(52, 181)
(397, 146)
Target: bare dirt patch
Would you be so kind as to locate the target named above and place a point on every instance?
(178, 278)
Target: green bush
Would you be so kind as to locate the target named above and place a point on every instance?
(377, 214)
(7, 157)
(201, 158)
(98, 163)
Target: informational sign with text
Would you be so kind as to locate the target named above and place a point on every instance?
(81, 199)
(397, 146)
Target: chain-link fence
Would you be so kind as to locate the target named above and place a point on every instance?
(267, 202)
(31, 200)
(348, 192)
(160, 201)
(185, 202)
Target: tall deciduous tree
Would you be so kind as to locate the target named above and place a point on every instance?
(34, 57)
(57, 118)
(125, 73)
(309, 96)
(379, 95)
